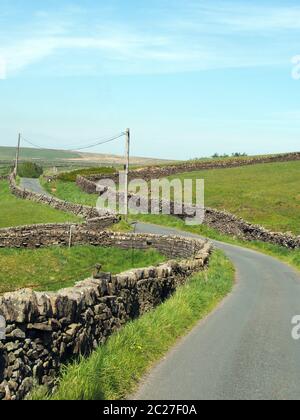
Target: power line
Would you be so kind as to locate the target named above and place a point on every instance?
(32, 144)
(99, 143)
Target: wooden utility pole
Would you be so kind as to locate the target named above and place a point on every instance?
(127, 169)
(17, 155)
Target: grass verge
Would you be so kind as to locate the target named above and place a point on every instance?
(53, 268)
(114, 370)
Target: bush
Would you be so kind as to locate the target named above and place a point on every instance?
(5, 170)
(71, 176)
(30, 170)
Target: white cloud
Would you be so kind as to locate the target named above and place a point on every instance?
(200, 36)
(228, 16)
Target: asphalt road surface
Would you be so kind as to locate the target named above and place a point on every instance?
(244, 349)
(33, 185)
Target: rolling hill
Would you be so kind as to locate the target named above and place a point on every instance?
(8, 154)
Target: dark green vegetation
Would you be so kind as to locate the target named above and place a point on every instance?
(233, 155)
(291, 257)
(4, 169)
(265, 194)
(71, 176)
(113, 371)
(54, 268)
(16, 212)
(29, 170)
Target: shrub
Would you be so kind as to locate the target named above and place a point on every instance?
(5, 170)
(71, 176)
(29, 170)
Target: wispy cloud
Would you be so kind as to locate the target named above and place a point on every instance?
(197, 37)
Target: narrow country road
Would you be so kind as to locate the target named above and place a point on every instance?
(33, 185)
(244, 350)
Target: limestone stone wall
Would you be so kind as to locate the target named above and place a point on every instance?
(228, 224)
(46, 329)
(39, 236)
(43, 235)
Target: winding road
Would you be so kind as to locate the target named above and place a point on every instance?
(244, 349)
(33, 185)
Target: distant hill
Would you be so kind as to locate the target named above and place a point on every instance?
(8, 154)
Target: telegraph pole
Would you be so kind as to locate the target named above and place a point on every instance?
(127, 169)
(17, 155)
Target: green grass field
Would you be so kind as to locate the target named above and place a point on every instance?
(114, 370)
(268, 194)
(54, 268)
(16, 212)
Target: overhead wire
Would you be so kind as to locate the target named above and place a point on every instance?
(76, 148)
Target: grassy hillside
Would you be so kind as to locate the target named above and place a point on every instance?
(54, 268)
(266, 194)
(16, 212)
(53, 156)
(9, 153)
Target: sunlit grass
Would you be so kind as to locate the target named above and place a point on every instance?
(16, 211)
(54, 268)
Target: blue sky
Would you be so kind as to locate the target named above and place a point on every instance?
(189, 78)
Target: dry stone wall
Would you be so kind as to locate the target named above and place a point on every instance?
(228, 224)
(45, 330)
(57, 234)
(39, 236)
